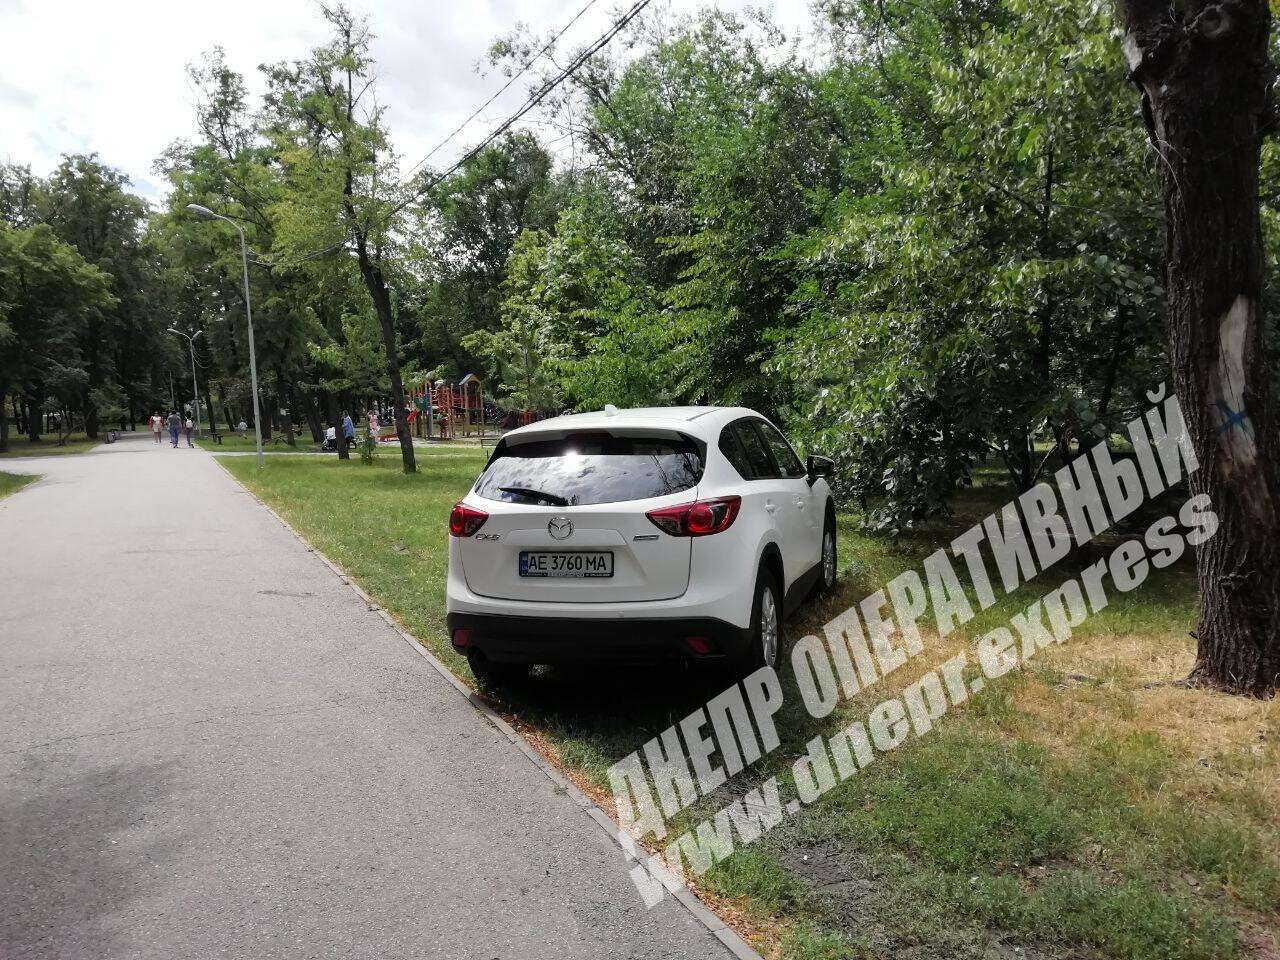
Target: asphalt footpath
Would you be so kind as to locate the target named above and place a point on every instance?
(210, 747)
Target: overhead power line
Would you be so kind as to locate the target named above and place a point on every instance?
(534, 99)
(506, 86)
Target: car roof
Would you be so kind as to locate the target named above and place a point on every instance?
(702, 422)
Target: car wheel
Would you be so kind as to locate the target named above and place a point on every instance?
(827, 582)
(766, 623)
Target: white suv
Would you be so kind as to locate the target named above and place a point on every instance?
(687, 531)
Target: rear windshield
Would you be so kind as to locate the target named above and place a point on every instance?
(590, 468)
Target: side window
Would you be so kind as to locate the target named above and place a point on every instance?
(756, 463)
(783, 455)
(731, 447)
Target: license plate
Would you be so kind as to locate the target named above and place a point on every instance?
(566, 564)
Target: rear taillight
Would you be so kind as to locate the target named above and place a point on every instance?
(464, 521)
(698, 519)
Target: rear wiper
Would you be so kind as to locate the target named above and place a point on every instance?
(552, 498)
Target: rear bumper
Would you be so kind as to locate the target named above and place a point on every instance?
(518, 639)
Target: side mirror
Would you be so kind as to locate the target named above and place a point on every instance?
(817, 466)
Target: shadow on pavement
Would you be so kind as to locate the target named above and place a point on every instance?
(73, 858)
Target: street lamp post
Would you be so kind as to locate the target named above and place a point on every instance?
(195, 391)
(248, 313)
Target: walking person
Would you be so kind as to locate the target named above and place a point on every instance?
(157, 426)
(348, 429)
(189, 426)
(175, 424)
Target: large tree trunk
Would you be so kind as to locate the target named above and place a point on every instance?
(377, 287)
(312, 405)
(90, 419)
(33, 415)
(1204, 74)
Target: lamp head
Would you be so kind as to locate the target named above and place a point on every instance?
(200, 211)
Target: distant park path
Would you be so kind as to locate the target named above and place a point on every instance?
(209, 747)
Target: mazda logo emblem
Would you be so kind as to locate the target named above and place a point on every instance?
(560, 528)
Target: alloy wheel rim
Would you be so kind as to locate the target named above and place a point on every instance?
(768, 627)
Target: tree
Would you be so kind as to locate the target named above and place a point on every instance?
(48, 294)
(468, 226)
(982, 277)
(234, 168)
(340, 190)
(88, 205)
(1206, 81)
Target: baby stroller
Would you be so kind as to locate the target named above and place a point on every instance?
(330, 444)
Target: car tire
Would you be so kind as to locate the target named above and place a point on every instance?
(765, 648)
(827, 578)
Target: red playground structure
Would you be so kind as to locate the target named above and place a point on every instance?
(451, 410)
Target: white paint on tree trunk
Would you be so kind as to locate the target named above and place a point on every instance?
(1237, 436)
(1234, 426)
(1132, 51)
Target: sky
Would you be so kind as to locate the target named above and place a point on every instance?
(88, 76)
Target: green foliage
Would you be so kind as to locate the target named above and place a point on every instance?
(49, 297)
(999, 284)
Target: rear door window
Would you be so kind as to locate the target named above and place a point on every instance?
(783, 455)
(746, 450)
(588, 468)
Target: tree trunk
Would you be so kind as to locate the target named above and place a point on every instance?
(335, 420)
(1204, 75)
(33, 417)
(90, 419)
(210, 408)
(264, 411)
(290, 399)
(377, 287)
(313, 417)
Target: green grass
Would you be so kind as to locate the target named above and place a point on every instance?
(1071, 806)
(48, 446)
(232, 443)
(13, 482)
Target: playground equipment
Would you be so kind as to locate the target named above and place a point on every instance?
(450, 410)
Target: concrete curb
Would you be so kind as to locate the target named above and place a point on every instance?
(700, 911)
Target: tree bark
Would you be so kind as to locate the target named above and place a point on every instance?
(312, 405)
(33, 415)
(377, 287)
(1205, 77)
(290, 400)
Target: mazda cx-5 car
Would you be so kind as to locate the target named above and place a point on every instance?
(631, 534)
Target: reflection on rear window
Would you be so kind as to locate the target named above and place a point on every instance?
(591, 468)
